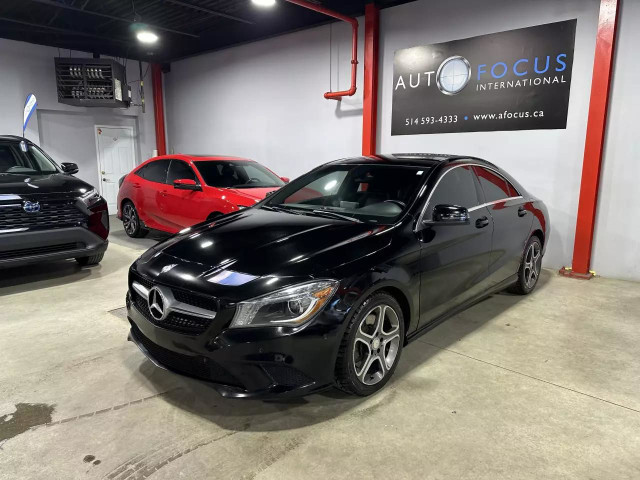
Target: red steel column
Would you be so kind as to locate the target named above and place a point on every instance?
(158, 108)
(370, 95)
(596, 126)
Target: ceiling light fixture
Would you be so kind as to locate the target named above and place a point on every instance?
(264, 3)
(145, 36)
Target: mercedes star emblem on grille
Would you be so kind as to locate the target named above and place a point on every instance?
(31, 207)
(157, 304)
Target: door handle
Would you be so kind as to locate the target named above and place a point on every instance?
(136, 185)
(522, 211)
(163, 193)
(482, 222)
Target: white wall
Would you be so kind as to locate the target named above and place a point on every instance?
(265, 101)
(65, 132)
(616, 251)
(548, 163)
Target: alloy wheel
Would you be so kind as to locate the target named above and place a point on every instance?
(377, 342)
(532, 262)
(129, 219)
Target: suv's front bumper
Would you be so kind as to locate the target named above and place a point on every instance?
(245, 362)
(20, 248)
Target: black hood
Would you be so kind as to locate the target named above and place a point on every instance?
(21, 184)
(262, 243)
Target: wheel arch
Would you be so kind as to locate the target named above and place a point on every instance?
(538, 233)
(397, 291)
(403, 301)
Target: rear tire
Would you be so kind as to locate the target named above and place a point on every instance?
(530, 268)
(371, 346)
(92, 260)
(131, 221)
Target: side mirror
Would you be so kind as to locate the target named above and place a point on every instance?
(285, 179)
(186, 184)
(69, 168)
(450, 215)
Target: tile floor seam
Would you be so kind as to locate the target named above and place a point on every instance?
(531, 377)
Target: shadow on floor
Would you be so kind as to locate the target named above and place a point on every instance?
(201, 399)
(52, 274)
(118, 236)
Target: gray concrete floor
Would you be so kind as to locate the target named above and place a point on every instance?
(544, 386)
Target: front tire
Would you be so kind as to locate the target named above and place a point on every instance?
(530, 268)
(131, 221)
(92, 260)
(371, 346)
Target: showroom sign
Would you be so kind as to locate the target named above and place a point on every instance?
(514, 80)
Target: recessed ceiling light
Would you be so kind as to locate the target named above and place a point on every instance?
(264, 3)
(145, 36)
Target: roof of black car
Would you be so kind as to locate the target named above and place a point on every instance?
(13, 138)
(419, 159)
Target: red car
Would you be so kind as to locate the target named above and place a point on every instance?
(172, 192)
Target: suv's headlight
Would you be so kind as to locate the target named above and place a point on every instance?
(291, 306)
(90, 197)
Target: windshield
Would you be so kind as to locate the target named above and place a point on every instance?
(362, 193)
(33, 161)
(237, 174)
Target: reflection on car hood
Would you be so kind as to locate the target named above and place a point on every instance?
(20, 184)
(263, 243)
(253, 193)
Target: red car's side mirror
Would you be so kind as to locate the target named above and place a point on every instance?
(186, 184)
(285, 179)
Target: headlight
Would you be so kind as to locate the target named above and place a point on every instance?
(90, 197)
(292, 306)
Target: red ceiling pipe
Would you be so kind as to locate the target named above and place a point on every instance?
(158, 108)
(370, 91)
(596, 127)
(354, 47)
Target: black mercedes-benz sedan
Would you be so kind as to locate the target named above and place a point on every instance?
(45, 212)
(322, 283)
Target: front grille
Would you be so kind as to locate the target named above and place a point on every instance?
(177, 322)
(27, 252)
(195, 300)
(54, 213)
(192, 365)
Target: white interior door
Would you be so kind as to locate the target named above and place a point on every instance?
(115, 159)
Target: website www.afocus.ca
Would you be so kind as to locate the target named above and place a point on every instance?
(508, 115)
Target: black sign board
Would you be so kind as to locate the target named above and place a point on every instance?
(514, 80)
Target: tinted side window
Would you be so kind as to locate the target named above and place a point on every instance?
(157, 171)
(456, 187)
(179, 170)
(140, 171)
(494, 186)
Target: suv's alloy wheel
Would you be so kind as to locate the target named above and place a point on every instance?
(371, 346)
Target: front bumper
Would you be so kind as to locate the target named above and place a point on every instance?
(254, 362)
(23, 248)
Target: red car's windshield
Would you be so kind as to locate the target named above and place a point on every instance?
(241, 174)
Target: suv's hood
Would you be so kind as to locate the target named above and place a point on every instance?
(12, 184)
(262, 243)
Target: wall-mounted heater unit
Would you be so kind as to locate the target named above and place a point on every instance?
(92, 82)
